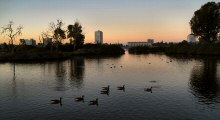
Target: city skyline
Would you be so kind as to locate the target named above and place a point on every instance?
(121, 21)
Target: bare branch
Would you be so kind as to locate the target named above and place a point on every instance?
(12, 33)
(45, 35)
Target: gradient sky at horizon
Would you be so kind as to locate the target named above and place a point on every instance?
(120, 20)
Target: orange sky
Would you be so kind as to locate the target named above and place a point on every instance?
(121, 21)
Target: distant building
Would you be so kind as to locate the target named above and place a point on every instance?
(150, 41)
(218, 36)
(31, 42)
(47, 41)
(98, 37)
(191, 38)
(135, 44)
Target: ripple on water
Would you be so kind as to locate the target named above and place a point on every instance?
(180, 89)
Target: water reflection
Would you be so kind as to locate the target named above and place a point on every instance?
(69, 74)
(204, 81)
(77, 69)
(60, 73)
(14, 84)
(34, 85)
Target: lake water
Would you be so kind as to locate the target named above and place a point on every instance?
(183, 88)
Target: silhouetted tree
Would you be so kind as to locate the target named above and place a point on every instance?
(45, 35)
(11, 32)
(58, 32)
(206, 22)
(75, 35)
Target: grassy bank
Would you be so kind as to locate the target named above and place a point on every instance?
(145, 50)
(182, 48)
(194, 49)
(34, 56)
(95, 49)
(22, 53)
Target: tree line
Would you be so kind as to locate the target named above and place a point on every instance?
(56, 31)
(73, 32)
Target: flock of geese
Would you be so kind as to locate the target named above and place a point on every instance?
(105, 90)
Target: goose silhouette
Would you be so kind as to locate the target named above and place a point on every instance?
(121, 87)
(148, 89)
(105, 92)
(106, 88)
(94, 102)
(57, 101)
(79, 98)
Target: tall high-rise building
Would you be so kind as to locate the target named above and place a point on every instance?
(98, 37)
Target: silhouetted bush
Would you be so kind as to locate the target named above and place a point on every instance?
(181, 48)
(28, 48)
(66, 48)
(104, 49)
(194, 49)
(25, 52)
(145, 50)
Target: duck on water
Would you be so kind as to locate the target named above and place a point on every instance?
(78, 99)
(94, 102)
(56, 101)
(121, 87)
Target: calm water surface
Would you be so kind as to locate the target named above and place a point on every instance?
(183, 88)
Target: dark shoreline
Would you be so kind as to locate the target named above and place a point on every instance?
(49, 56)
(33, 53)
(212, 49)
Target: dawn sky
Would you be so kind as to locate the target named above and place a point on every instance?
(120, 20)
